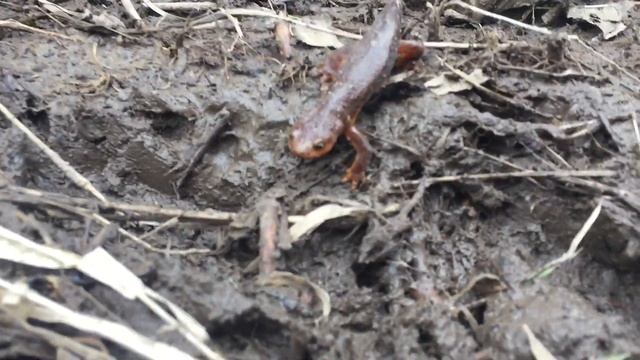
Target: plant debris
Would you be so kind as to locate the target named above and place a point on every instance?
(314, 37)
(448, 83)
(608, 17)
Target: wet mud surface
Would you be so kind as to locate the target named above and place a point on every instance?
(449, 278)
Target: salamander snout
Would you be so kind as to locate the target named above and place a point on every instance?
(307, 146)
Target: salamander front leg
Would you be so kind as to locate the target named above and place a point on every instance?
(355, 174)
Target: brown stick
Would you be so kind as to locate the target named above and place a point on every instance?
(110, 209)
(494, 95)
(269, 210)
(13, 24)
(223, 116)
(55, 158)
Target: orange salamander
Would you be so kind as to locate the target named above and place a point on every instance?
(356, 73)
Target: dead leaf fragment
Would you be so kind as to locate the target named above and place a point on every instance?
(283, 278)
(25, 303)
(101, 266)
(107, 20)
(317, 38)
(15, 247)
(306, 224)
(446, 84)
(607, 17)
(538, 350)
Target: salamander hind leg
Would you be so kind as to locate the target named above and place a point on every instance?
(356, 173)
(329, 69)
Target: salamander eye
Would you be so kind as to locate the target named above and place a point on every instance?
(318, 145)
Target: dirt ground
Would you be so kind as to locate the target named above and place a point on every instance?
(447, 276)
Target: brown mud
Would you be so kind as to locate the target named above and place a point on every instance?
(447, 281)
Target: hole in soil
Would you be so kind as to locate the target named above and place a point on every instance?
(61, 328)
(243, 250)
(100, 2)
(417, 170)
(82, 280)
(602, 145)
(251, 324)
(166, 123)
(392, 92)
(416, 5)
(477, 312)
(42, 285)
(38, 116)
(499, 111)
(425, 340)
(368, 275)
(491, 143)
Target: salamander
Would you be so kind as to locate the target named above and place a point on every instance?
(356, 73)
(408, 51)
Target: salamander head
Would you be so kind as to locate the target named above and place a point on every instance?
(313, 139)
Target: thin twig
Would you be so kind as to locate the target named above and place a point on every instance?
(494, 95)
(223, 118)
(56, 9)
(577, 124)
(423, 184)
(538, 350)
(164, 226)
(634, 120)
(200, 6)
(338, 32)
(68, 170)
(100, 219)
(74, 18)
(586, 131)
(455, 45)
(44, 308)
(156, 9)
(182, 6)
(404, 147)
(544, 31)
(13, 24)
(515, 174)
(606, 124)
(494, 158)
(501, 161)
(511, 21)
(557, 156)
(132, 212)
(563, 75)
(293, 20)
(234, 21)
(473, 282)
(58, 340)
(573, 247)
(37, 226)
(628, 197)
(611, 62)
(131, 10)
(45, 198)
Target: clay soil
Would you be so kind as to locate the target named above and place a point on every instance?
(437, 268)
